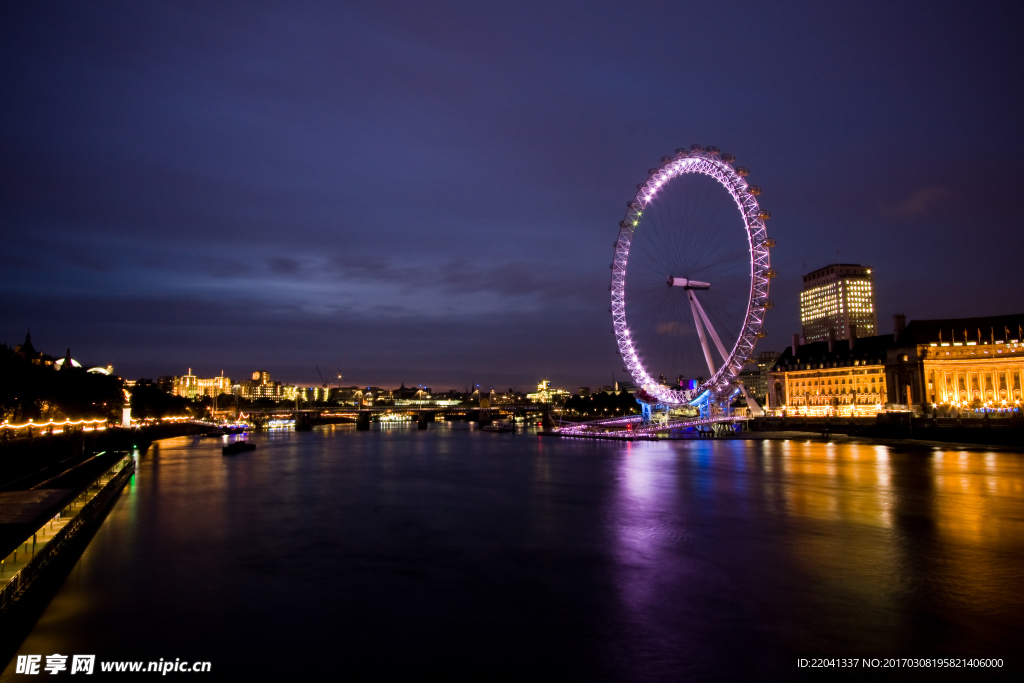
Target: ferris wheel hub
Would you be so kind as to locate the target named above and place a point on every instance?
(687, 283)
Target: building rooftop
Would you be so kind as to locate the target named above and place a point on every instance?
(852, 268)
(872, 350)
(991, 328)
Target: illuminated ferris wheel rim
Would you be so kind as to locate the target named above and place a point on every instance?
(706, 162)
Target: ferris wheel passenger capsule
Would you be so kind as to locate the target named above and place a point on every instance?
(712, 149)
(696, 148)
(727, 157)
(764, 215)
(742, 170)
(754, 190)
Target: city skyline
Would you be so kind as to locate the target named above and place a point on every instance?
(414, 196)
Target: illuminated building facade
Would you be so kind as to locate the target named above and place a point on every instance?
(545, 394)
(963, 363)
(830, 378)
(370, 396)
(261, 386)
(750, 379)
(312, 394)
(192, 387)
(185, 386)
(215, 386)
(836, 298)
(510, 397)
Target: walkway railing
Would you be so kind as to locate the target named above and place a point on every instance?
(39, 549)
(600, 426)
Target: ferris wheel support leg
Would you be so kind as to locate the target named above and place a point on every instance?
(711, 329)
(755, 409)
(704, 406)
(700, 333)
(645, 409)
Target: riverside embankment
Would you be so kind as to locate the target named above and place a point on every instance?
(54, 494)
(983, 431)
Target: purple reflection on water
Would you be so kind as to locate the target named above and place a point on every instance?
(651, 573)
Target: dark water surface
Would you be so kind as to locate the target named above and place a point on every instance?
(453, 554)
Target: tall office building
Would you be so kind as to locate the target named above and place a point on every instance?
(836, 297)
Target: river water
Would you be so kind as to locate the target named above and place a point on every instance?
(454, 554)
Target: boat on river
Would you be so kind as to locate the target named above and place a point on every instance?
(499, 427)
(238, 447)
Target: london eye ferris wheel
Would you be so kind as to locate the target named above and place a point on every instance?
(689, 282)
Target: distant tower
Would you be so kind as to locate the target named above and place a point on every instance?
(836, 297)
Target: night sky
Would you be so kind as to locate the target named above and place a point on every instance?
(429, 192)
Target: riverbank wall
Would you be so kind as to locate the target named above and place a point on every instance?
(904, 426)
(888, 428)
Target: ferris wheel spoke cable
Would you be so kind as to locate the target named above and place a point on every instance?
(668, 348)
(658, 306)
(699, 231)
(671, 333)
(703, 228)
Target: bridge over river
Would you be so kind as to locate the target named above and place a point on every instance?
(306, 418)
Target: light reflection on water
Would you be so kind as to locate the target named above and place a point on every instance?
(453, 552)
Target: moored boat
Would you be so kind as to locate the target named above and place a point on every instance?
(238, 447)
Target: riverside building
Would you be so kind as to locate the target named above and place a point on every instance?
(963, 363)
(193, 387)
(261, 386)
(836, 299)
(845, 377)
(947, 366)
